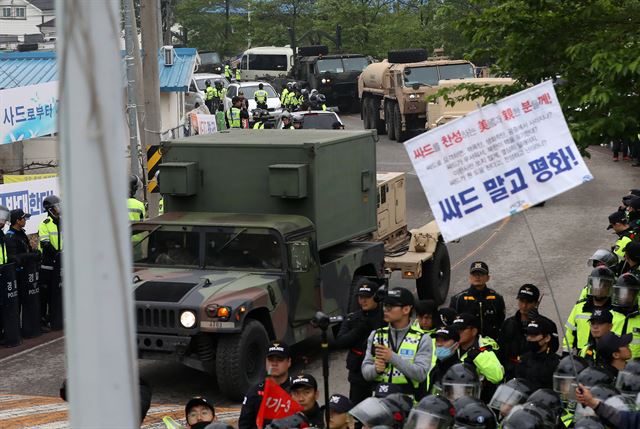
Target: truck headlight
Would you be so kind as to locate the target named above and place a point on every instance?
(188, 319)
(323, 80)
(413, 96)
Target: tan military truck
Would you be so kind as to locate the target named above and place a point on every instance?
(393, 92)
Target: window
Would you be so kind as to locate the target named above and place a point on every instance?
(456, 71)
(243, 63)
(243, 249)
(231, 91)
(267, 62)
(20, 12)
(330, 65)
(14, 12)
(355, 64)
(168, 248)
(421, 76)
(319, 121)
(6, 12)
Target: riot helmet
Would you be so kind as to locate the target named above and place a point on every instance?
(432, 412)
(548, 400)
(588, 422)
(51, 205)
(475, 416)
(207, 82)
(461, 379)
(524, 418)
(513, 392)
(289, 86)
(625, 291)
(134, 184)
(564, 377)
(374, 412)
(322, 98)
(400, 405)
(628, 380)
(462, 402)
(313, 92)
(603, 257)
(591, 376)
(5, 215)
(218, 83)
(620, 403)
(313, 98)
(600, 282)
(304, 92)
(256, 113)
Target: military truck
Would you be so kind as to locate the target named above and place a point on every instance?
(261, 231)
(393, 92)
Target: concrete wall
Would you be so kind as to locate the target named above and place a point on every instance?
(41, 151)
(171, 113)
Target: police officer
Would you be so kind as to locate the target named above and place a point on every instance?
(137, 213)
(285, 92)
(446, 344)
(577, 328)
(50, 236)
(540, 362)
(222, 93)
(227, 72)
(398, 353)
(564, 377)
(286, 121)
(4, 259)
(277, 365)
(426, 314)
(633, 213)
(628, 379)
(322, 102)
(233, 114)
(339, 407)
(625, 302)
(631, 262)
(238, 76)
(261, 96)
(513, 334)
(600, 322)
(618, 222)
(257, 122)
(508, 395)
(480, 352)
(614, 351)
(353, 334)
(433, 411)
(481, 301)
(25, 258)
(210, 97)
(304, 390)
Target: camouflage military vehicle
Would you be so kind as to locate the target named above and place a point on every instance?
(393, 92)
(261, 231)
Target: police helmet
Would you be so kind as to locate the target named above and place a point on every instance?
(589, 422)
(600, 282)
(603, 257)
(256, 113)
(462, 402)
(433, 411)
(134, 184)
(591, 376)
(261, 85)
(475, 416)
(207, 82)
(461, 379)
(625, 291)
(621, 403)
(313, 92)
(322, 98)
(373, 412)
(218, 82)
(305, 92)
(548, 400)
(51, 204)
(513, 392)
(5, 215)
(289, 86)
(564, 377)
(524, 418)
(285, 115)
(313, 98)
(628, 380)
(400, 404)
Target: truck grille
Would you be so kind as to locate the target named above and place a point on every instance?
(157, 318)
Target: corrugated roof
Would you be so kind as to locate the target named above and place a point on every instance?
(176, 78)
(31, 68)
(27, 68)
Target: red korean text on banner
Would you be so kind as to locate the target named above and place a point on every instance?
(276, 403)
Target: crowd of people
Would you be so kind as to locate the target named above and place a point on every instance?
(413, 365)
(31, 295)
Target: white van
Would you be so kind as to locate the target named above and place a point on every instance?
(273, 61)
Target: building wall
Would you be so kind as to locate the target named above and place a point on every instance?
(171, 113)
(18, 27)
(41, 150)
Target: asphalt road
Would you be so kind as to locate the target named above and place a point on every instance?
(567, 231)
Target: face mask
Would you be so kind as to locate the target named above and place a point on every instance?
(533, 346)
(444, 352)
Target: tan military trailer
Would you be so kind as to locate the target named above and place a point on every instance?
(260, 232)
(393, 92)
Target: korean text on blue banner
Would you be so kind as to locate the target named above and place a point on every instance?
(28, 196)
(28, 111)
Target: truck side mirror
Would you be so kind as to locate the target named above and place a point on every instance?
(300, 256)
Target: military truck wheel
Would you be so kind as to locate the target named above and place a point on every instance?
(397, 124)
(436, 275)
(366, 116)
(240, 359)
(389, 120)
(408, 56)
(377, 122)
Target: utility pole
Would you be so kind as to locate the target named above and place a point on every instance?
(129, 17)
(148, 21)
(99, 320)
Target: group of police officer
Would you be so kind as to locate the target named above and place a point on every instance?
(31, 294)
(412, 365)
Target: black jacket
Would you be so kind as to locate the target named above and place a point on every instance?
(18, 247)
(251, 405)
(538, 369)
(513, 342)
(441, 367)
(486, 304)
(315, 417)
(353, 334)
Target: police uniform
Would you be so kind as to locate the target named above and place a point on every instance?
(442, 363)
(315, 415)
(50, 245)
(624, 237)
(253, 398)
(577, 328)
(227, 72)
(233, 118)
(537, 367)
(631, 325)
(353, 334)
(486, 304)
(260, 97)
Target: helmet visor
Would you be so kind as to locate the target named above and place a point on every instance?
(602, 256)
(628, 383)
(372, 412)
(565, 385)
(600, 287)
(455, 391)
(5, 214)
(419, 419)
(506, 395)
(624, 296)
(621, 403)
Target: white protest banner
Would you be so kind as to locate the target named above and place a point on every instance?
(28, 111)
(497, 161)
(28, 196)
(206, 124)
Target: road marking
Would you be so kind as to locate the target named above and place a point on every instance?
(483, 244)
(31, 349)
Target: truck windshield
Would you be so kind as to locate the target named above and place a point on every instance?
(243, 249)
(427, 75)
(319, 121)
(209, 58)
(333, 65)
(355, 63)
(167, 248)
(267, 62)
(456, 71)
